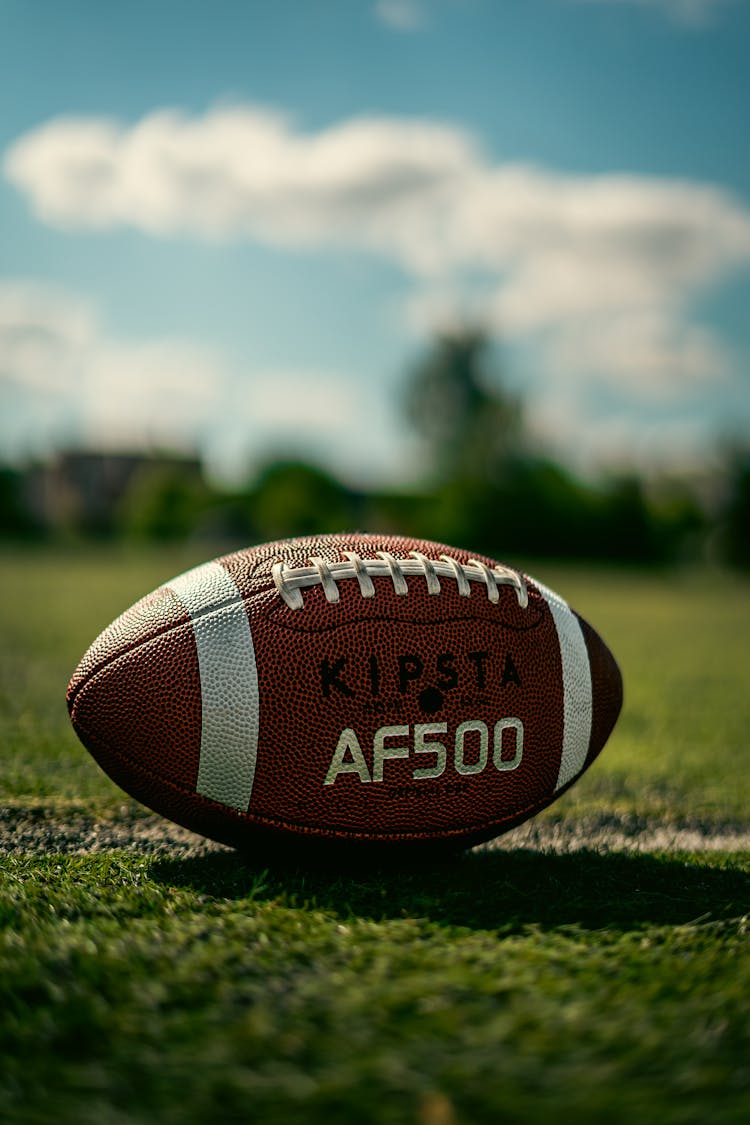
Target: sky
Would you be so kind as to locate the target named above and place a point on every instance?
(236, 227)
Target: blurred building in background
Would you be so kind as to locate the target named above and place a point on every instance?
(87, 491)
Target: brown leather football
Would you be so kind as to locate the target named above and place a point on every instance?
(352, 688)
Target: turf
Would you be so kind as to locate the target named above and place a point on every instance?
(501, 986)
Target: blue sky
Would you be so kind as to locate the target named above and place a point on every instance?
(236, 225)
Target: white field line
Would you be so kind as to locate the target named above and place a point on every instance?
(624, 834)
(45, 830)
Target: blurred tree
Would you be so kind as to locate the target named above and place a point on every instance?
(469, 422)
(16, 520)
(628, 528)
(679, 523)
(293, 498)
(492, 493)
(163, 502)
(734, 528)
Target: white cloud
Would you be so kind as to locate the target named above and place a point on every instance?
(599, 272)
(241, 171)
(44, 335)
(305, 400)
(64, 379)
(400, 15)
(623, 439)
(650, 352)
(67, 380)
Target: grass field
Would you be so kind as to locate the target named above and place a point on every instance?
(588, 970)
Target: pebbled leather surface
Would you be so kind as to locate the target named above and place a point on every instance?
(362, 664)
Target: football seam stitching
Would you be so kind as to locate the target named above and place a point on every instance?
(290, 580)
(273, 610)
(469, 618)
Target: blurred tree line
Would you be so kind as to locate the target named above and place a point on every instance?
(485, 485)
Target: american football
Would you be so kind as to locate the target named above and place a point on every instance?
(353, 688)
